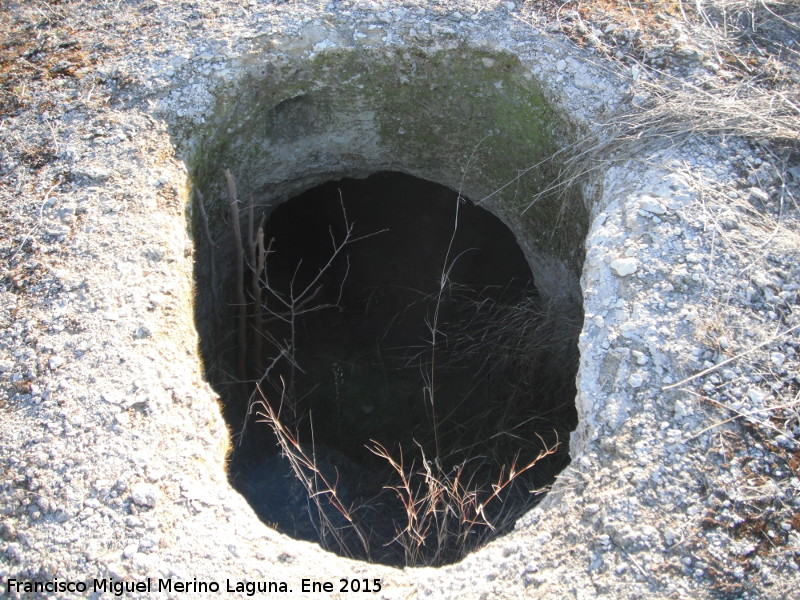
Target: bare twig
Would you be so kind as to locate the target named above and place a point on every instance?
(447, 507)
(241, 329)
(259, 259)
(320, 488)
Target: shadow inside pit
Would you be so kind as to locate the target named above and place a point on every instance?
(399, 339)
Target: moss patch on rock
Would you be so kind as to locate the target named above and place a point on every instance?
(467, 118)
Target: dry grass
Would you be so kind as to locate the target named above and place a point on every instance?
(37, 46)
(729, 68)
(447, 510)
(724, 70)
(470, 488)
(338, 530)
(743, 84)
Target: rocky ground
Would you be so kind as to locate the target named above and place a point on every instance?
(684, 481)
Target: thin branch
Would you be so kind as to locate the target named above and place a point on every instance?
(241, 328)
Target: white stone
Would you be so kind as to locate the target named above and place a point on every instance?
(157, 299)
(323, 45)
(113, 398)
(651, 205)
(624, 266)
(777, 358)
(145, 494)
(693, 258)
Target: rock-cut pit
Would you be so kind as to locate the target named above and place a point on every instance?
(388, 296)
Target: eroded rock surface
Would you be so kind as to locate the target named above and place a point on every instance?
(113, 445)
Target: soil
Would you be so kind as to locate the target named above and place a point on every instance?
(685, 460)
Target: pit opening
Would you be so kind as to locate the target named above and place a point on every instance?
(400, 324)
(396, 353)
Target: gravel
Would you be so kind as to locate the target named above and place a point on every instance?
(684, 479)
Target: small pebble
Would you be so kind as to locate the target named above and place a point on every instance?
(624, 266)
(145, 494)
(777, 358)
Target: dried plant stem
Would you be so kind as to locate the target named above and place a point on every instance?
(241, 328)
(446, 507)
(260, 260)
(319, 488)
(732, 358)
(257, 260)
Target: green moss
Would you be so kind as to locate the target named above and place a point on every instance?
(439, 112)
